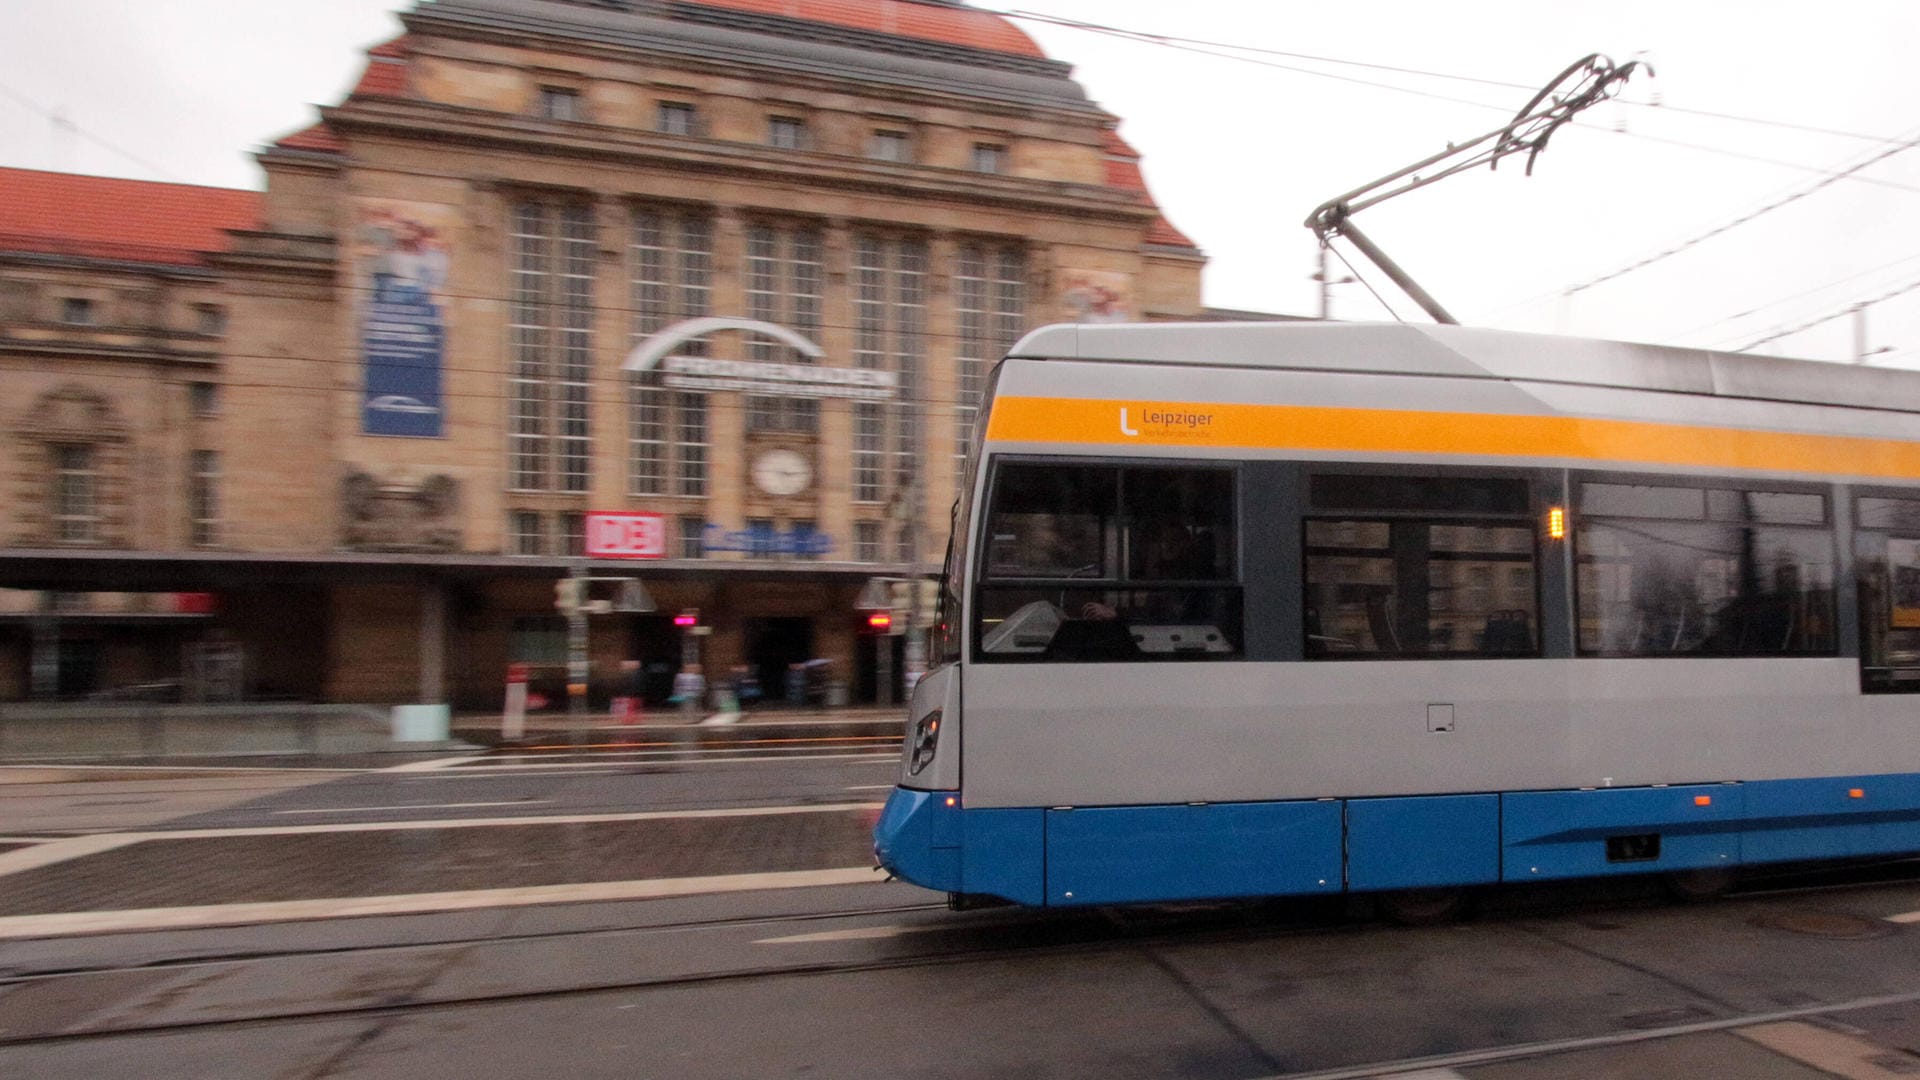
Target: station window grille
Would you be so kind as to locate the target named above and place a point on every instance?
(670, 267)
(866, 541)
(886, 145)
(693, 532)
(559, 103)
(677, 118)
(203, 497)
(552, 346)
(890, 313)
(524, 533)
(573, 533)
(76, 494)
(784, 281)
(990, 310)
(786, 133)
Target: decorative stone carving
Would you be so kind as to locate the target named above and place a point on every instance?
(400, 517)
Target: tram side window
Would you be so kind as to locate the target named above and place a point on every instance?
(1419, 567)
(1102, 562)
(1887, 563)
(1667, 570)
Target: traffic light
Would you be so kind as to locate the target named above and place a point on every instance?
(687, 618)
(880, 622)
(567, 594)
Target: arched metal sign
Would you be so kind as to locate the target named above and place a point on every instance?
(753, 376)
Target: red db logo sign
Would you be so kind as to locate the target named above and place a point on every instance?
(626, 534)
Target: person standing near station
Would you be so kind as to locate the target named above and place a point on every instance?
(690, 691)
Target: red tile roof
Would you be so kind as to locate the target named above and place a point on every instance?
(1123, 173)
(962, 26)
(397, 48)
(131, 220)
(1162, 233)
(384, 77)
(318, 139)
(1126, 176)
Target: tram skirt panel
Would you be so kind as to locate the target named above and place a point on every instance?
(1423, 842)
(1118, 855)
(1594, 833)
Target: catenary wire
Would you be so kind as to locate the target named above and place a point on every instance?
(1829, 317)
(1150, 37)
(1357, 276)
(1829, 177)
(55, 118)
(1759, 308)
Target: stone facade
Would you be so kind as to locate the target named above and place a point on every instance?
(516, 194)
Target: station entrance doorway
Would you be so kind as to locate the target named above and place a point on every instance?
(867, 654)
(773, 645)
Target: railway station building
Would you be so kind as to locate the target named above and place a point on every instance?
(337, 439)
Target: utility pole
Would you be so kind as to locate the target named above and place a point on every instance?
(1860, 350)
(577, 664)
(1326, 285)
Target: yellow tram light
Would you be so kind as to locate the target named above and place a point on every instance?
(1557, 523)
(1856, 793)
(1703, 800)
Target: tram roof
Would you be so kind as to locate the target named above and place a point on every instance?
(1473, 353)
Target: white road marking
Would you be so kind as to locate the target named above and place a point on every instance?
(872, 787)
(59, 851)
(516, 774)
(429, 766)
(476, 823)
(414, 806)
(865, 933)
(39, 766)
(102, 922)
(1831, 1052)
(1905, 917)
(706, 752)
(667, 758)
(1425, 1074)
(1515, 1051)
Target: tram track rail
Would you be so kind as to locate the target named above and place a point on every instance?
(1082, 932)
(250, 956)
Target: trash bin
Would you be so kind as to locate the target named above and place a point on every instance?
(421, 723)
(837, 694)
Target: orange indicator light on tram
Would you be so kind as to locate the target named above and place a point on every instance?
(1703, 800)
(951, 801)
(1856, 793)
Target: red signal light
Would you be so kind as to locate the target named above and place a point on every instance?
(685, 619)
(879, 620)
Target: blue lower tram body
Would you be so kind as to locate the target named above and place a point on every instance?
(1137, 854)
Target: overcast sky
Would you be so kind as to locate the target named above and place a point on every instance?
(1237, 153)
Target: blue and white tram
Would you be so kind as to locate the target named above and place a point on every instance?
(1301, 608)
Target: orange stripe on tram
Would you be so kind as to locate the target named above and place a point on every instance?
(1310, 428)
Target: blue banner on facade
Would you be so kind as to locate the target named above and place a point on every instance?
(402, 263)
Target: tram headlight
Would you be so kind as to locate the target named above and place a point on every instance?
(926, 735)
